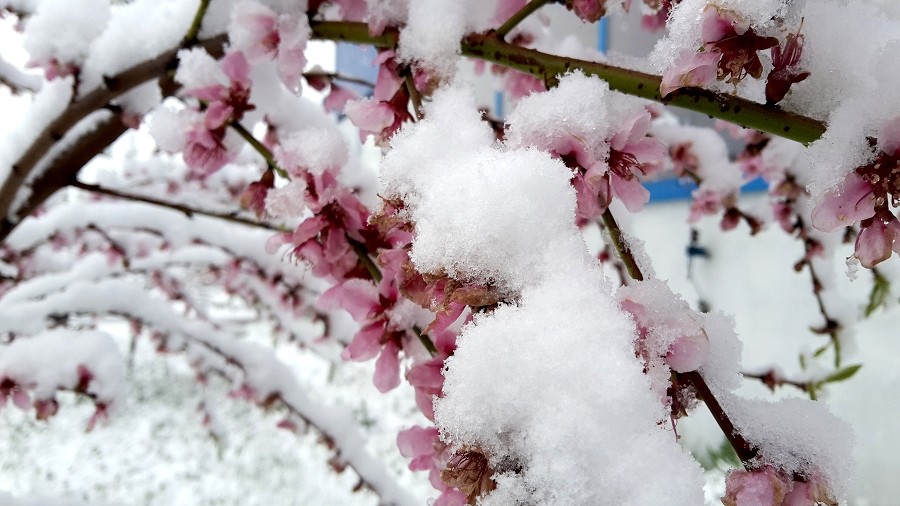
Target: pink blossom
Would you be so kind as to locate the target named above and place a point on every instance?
(785, 68)
(808, 493)
(877, 239)
(690, 69)
(590, 11)
(851, 201)
(519, 84)
(761, 487)
(388, 81)
(688, 352)
(632, 152)
(254, 197)
(352, 10)
(205, 151)
(370, 116)
(338, 97)
(261, 33)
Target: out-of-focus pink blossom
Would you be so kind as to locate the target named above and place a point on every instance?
(338, 97)
(254, 197)
(370, 116)
(505, 10)
(352, 10)
(657, 21)
(205, 151)
(590, 11)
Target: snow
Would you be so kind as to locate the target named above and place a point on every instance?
(51, 360)
(468, 183)
(313, 149)
(506, 216)
(798, 436)
(523, 380)
(137, 31)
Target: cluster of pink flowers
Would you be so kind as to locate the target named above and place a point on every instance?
(865, 196)
(205, 150)
(632, 153)
(387, 109)
(730, 52)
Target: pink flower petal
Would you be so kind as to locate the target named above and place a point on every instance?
(889, 136)
(851, 201)
(690, 69)
(630, 191)
(236, 67)
(366, 343)
(873, 244)
(387, 368)
(369, 116)
(688, 353)
(417, 441)
(338, 97)
(357, 296)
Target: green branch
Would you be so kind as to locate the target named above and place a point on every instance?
(191, 36)
(491, 48)
(260, 148)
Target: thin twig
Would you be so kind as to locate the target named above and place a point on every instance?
(191, 36)
(186, 210)
(260, 148)
(520, 16)
(621, 246)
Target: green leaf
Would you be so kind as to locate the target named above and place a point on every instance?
(881, 288)
(842, 374)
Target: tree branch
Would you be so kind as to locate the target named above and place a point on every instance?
(746, 451)
(187, 210)
(113, 87)
(491, 48)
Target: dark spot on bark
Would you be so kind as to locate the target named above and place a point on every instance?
(724, 107)
(696, 99)
(640, 85)
(787, 128)
(737, 109)
(55, 135)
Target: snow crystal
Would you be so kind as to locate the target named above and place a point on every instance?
(50, 361)
(286, 202)
(312, 149)
(197, 69)
(168, 127)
